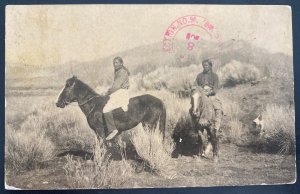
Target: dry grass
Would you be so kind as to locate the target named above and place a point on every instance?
(27, 148)
(236, 72)
(151, 148)
(279, 129)
(236, 129)
(232, 126)
(171, 78)
(42, 132)
(100, 172)
(67, 129)
(230, 108)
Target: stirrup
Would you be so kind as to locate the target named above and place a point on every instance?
(112, 135)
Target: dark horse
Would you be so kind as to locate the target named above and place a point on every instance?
(203, 117)
(145, 109)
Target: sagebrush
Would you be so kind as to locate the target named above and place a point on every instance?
(101, 172)
(278, 134)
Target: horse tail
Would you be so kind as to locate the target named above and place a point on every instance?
(162, 121)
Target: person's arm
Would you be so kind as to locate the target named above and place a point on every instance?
(196, 82)
(120, 78)
(215, 86)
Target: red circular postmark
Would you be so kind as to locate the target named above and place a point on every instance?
(189, 30)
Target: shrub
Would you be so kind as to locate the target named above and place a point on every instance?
(66, 128)
(172, 78)
(278, 134)
(136, 82)
(230, 108)
(101, 172)
(27, 148)
(44, 132)
(235, 72)
(150, 147)
(235, 130)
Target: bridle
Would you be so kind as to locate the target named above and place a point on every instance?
(92, 109)
(88, 100)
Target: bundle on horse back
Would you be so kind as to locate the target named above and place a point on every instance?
(202, 107)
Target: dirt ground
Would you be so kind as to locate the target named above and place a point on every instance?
(236, 166)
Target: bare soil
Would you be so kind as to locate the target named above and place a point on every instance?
(236, 166)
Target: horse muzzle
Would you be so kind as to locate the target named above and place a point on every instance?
(196, 113)
(60, 104)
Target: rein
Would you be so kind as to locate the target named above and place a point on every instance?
(92, 109)
(88, 100)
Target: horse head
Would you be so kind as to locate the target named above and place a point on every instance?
(201, 106)
(196, 96)
(68, 94)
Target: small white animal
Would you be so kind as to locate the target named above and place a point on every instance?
(259, 123)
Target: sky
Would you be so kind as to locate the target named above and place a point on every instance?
(56, 34)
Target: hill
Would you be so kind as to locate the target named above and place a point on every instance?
(146, 59)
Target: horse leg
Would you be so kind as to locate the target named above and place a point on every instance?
(153, 122)
(208, 148)
(212, 133)
(201, 143)
(176, 151)
(106, 145)
(150, 126)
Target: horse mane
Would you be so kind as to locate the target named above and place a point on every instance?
(102, 100)
(85, 86)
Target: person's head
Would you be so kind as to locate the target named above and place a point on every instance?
(118, 62)
(207, 65)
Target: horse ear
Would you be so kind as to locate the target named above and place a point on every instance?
(74, 78)
(260, 117)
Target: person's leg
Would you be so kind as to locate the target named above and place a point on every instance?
(117, 99)
(112, 130)
(112, 102)
(108, 107)
(122, 99)
(218, 112)
(110, 124)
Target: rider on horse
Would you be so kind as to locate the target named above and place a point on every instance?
(119, 96)
(209, 81)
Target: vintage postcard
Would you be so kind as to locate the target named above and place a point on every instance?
(139, 96)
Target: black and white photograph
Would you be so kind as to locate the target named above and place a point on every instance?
(148, 96)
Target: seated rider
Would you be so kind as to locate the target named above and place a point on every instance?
(119, 96)
(209, 81)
